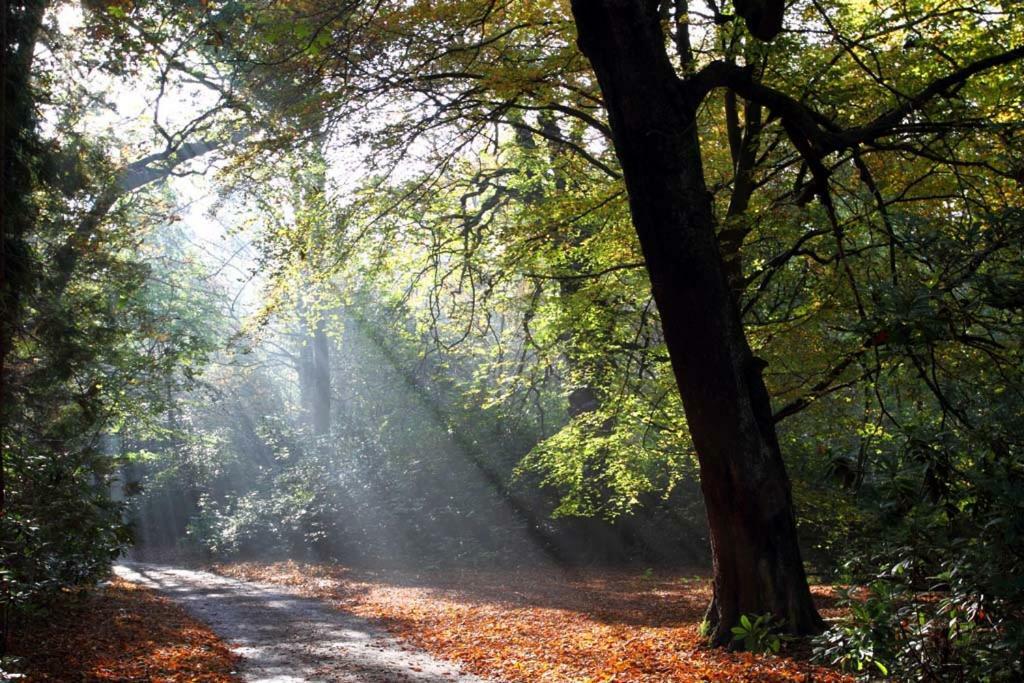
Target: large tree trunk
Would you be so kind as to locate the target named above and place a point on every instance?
(757, 563)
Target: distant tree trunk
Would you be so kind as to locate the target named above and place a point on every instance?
(314, 369)
(757, 563)
(321, 380)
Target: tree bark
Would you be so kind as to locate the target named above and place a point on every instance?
(757, 564)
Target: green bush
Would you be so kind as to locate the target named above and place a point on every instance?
(757, 634)
(953, 632)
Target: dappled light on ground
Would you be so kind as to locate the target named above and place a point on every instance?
(123, 632)
(547, 625)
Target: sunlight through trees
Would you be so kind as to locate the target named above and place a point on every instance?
(528, 286)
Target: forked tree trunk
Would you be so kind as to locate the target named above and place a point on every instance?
(757, 563)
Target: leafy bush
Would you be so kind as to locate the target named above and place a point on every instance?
(954, 632)
(757, 634)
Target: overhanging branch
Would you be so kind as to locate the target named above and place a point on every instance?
(815, 135)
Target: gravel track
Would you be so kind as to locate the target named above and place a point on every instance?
(286, 638)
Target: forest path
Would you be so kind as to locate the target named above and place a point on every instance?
(285, 638)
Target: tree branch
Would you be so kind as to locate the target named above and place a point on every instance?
(817, 136)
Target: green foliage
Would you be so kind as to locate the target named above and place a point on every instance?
(944, 604)
(100, 360)
(757, 634)
(704, 628)
(953, 633)
(105, 328)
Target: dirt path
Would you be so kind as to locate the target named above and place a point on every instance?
(285, 638)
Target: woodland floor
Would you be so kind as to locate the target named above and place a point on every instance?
(121, 632)
(547, 625)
